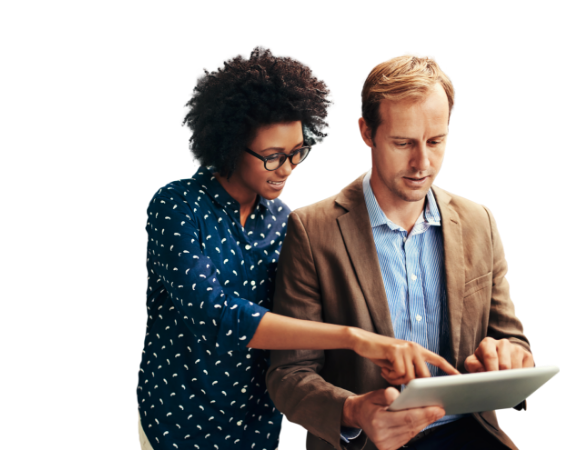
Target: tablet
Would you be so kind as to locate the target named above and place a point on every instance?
(475, 392)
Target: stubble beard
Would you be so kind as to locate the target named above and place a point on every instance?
(406, 194)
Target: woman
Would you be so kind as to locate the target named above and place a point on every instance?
(214, 242)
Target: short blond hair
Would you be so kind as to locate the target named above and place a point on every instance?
(400, 78)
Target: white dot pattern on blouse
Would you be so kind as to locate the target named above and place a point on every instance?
(210, 281)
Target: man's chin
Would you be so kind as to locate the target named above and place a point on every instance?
(413, 195)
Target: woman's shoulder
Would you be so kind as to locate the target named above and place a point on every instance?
(178, 189)
(176, 194)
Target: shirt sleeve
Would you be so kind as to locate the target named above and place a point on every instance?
(191, 278)
(348, 434)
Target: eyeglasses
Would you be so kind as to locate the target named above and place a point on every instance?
(276, 160)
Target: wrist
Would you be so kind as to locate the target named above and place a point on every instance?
(353, 338)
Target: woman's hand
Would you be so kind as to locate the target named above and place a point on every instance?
(400, 361)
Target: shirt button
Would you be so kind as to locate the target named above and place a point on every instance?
(413, 277)
(248, 247)
(404, 239)
(243, 391)
(253, 283)
(419, 317)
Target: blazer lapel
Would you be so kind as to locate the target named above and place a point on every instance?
(357, 234)
(358, 237)
(454, 266)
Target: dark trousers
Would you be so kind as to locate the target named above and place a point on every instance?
(463, 434)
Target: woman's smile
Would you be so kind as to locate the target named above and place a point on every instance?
(277, 185)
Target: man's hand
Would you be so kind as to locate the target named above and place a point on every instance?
(400, 361)
(498, 355)
(388, 430)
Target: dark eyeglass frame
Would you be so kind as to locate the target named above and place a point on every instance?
(290, 156)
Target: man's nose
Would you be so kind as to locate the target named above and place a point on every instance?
(421, 157)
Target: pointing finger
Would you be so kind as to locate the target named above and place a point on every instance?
(421, 368)
(440, 362)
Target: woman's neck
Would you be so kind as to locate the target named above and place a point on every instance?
(245, 197)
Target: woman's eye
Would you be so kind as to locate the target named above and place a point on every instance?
(273, 157)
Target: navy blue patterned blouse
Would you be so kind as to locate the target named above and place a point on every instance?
(210, 281)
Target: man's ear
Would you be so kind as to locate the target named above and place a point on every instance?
(364, 132)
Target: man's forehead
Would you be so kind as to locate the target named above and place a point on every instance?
(412, 129)
(419, 112)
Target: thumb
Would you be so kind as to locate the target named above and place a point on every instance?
(391, 395)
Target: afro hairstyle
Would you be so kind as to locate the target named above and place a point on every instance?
(228, 105)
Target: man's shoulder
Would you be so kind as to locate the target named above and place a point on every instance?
(334, 206)
(324, 208)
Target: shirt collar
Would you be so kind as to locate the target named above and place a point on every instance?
(377, 217)
(206, 179)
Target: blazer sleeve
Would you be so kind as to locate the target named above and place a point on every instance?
(293, 380)
(503, 323)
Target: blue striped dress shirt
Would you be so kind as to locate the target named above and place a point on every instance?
(412, 266)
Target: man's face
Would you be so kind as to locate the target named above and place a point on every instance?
(408, 147)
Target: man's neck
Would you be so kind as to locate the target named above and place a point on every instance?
(403, 217)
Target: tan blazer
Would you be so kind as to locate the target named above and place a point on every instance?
(328, 271)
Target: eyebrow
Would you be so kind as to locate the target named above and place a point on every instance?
(402, 137)
(281, 149)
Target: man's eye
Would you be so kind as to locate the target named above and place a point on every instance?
(432, 142)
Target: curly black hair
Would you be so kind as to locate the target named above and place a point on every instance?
(228, 105)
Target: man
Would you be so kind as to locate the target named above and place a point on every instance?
(391, 255)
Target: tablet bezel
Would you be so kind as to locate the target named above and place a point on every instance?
(477, 392)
